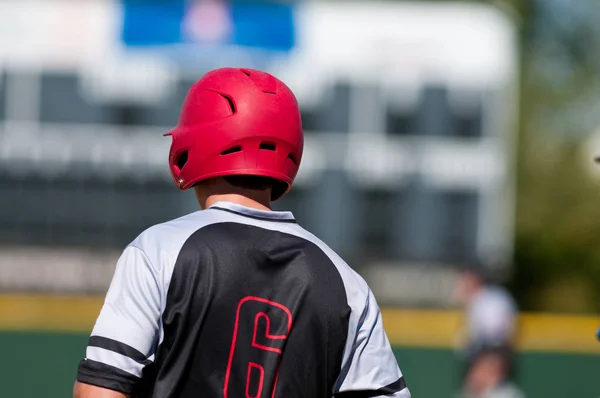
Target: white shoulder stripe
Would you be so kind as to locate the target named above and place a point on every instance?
(114, 359)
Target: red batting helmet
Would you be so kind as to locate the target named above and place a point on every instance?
(237, 122)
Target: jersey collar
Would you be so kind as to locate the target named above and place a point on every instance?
(265, 215)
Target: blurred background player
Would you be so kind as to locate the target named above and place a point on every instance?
(489, 327)
(237, 299)
(488, 376)
(490, 311)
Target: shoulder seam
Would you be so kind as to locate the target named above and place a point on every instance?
(141, 251)
(157, 272)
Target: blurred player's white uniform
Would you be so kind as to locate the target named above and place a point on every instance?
(491, 318)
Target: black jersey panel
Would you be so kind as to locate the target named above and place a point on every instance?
(250, 312)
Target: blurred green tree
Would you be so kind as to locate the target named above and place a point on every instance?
(557, 256)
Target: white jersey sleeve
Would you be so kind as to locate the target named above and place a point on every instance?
(371, 369)
(126, 332)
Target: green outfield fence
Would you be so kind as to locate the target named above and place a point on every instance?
(42, 339)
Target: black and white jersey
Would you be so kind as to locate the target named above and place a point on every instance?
(236, 302)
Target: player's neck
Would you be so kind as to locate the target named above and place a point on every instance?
(256, 202)
(218, 190)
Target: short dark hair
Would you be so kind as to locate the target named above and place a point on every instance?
(502, 352)
(479, 270)
(258, 183)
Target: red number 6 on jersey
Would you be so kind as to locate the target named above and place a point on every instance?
(261, 328)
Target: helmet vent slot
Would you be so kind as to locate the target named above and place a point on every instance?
(182, 159)
(268, 146)
(293, 159)
(229, 102)
(231, 150)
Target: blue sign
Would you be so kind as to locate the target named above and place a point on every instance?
(264, 25)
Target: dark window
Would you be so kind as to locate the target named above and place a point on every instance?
(418, 224)
(335, 114)
(94, 213)
(400, 121)
(331, 114)
(469, 123)
(379, 211)
(459, 226)
(166, 112)
(125, 115)
(310, 119)
(61, 101)
(434, 115)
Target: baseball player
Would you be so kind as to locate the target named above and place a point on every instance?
(236, 300)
